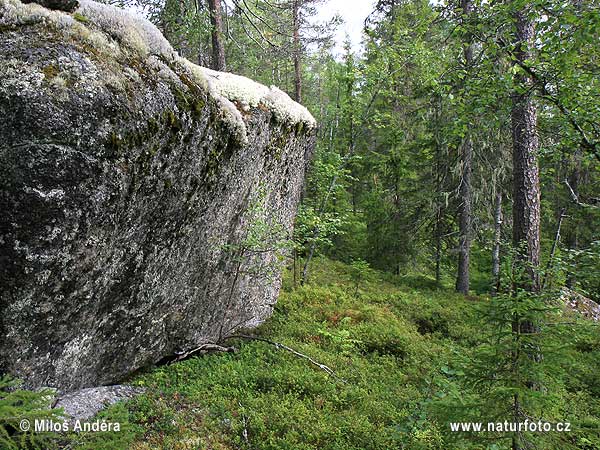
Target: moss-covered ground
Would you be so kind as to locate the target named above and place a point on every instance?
(396, 345)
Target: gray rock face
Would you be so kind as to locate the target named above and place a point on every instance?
(141, 209)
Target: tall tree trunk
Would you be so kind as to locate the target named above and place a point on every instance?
(466, 160)
(571, 238)
(297, 51)
(438, 245)
(549, 265)
(218, 48)
(464, 220)
(439, 213)
(526, 198)
(526, 180)
(497, 242)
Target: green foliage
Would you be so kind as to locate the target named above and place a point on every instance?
(393, 122)
(521, 370)
(586, 262)
(19, 406)
(19, 410)
(313, 229)
(266, 398)
(109, 440)
(323, 220)
(383, 193)
(517, 374)
(403, 381)
(360, 270)
(263, 236)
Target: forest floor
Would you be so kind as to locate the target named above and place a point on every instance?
(396, 345)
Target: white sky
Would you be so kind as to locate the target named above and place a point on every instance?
(354, 13)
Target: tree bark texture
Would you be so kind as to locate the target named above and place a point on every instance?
(526, 180)
(571, 238)
(296, 52)
(464, 219)
(497, 242)
(465, 190)
(526, 191)
(218, 48)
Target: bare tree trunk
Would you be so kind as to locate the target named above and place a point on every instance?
(464, 221)
(526, 180)
(309, 258)
(497, 242)
(438, 230)
(297, 52)
(526, 195)
(295, 256)
(438, 246)
(466, 160)
(571, 238)
(553, 250)
(218, 48)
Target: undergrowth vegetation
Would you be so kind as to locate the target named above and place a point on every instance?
(409, 358)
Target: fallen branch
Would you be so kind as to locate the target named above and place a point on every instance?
(203, 349)
(279, 345)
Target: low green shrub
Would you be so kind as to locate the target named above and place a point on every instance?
(19, 411)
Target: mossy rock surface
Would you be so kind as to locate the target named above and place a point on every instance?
(123, 188)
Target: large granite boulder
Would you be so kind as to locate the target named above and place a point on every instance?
(144, 200)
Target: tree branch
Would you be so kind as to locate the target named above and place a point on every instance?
(576, 198)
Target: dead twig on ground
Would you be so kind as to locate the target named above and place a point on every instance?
(203, 349)
(279, 345)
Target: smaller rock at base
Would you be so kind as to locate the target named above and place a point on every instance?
(86, 403)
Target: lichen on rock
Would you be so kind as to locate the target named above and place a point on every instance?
(110, 29)
(250, 94)
(126, 174)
